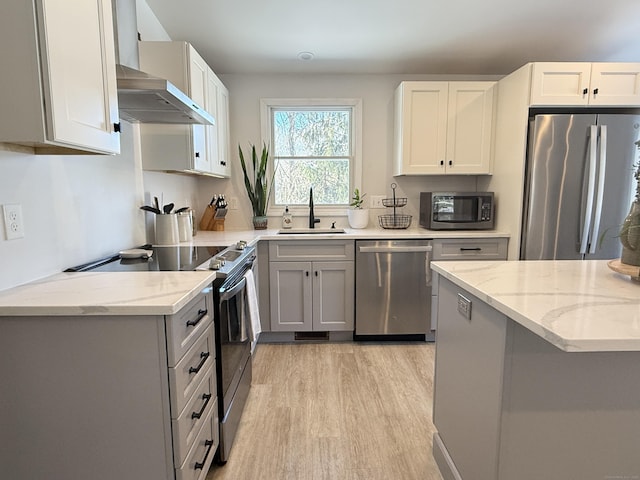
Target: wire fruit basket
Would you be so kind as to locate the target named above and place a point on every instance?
(394, 220)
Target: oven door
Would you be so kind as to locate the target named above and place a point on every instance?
(234, 339)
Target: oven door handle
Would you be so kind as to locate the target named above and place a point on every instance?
(233, 291)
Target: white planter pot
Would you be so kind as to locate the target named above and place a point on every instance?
(358, 218)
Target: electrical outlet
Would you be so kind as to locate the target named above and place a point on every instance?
(375, 201)
(13, 225)
(233, 203)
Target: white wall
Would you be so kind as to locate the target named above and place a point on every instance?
(75, 209)
(376, 92)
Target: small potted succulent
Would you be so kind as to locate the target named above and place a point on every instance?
(357, 215)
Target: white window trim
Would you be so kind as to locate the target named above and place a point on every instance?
(266, 104)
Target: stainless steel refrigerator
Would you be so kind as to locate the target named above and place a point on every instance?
(579, 184)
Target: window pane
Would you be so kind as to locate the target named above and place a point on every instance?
(329, 179)
(311, 133)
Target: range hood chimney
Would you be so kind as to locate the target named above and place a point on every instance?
(143, 98)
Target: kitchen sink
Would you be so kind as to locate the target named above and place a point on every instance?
(317, 231)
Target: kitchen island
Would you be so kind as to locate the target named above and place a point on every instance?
(537, 371)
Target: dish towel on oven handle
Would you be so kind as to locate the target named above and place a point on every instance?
(254, 313)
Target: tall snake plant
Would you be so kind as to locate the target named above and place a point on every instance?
(256, 182)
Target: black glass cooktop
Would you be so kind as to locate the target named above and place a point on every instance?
(169, 258)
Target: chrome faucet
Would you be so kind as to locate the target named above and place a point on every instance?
(312, 220)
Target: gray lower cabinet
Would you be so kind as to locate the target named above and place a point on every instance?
(469, 373)
(311, 285)
(510, 405)
(106, 397)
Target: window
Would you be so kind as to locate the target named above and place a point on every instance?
(314, 144)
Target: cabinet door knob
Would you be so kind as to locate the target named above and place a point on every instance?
(197, 154)
(585, 91)
(595, 92)
(116, 127)
(306, 273)
(450, 163)
(442, 163)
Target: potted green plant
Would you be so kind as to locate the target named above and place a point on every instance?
(358, 216)
(257, 184)
(630, 231)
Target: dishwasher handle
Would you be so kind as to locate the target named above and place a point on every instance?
(396, 249)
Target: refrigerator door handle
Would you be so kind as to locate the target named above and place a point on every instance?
(600, 192)
(586, 220)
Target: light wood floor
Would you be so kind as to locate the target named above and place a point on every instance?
(342, 411)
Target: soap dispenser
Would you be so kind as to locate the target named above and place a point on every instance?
(286, 218)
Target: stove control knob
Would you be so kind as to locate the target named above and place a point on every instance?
(215, 264)
(241, 244)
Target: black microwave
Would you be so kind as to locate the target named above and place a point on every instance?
(457, 210)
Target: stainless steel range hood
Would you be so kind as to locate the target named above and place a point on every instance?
(143, 98)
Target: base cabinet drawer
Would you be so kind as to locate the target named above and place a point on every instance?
(200, 457)
(187, 325)
(185, 377)
(470, 249)
(186, 427)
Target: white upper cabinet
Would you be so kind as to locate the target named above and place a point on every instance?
(443, 128)
(59, 92)
(186, 148)
(578, 83)
(218, 135)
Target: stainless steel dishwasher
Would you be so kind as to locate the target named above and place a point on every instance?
(393, 290)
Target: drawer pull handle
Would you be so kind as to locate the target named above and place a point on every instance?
(206, 397)
(201, 315)
(200, 466)
(475, 249)
(203, 356)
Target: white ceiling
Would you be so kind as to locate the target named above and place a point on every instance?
(401, 36)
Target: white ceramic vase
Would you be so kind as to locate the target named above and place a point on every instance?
(358, 217)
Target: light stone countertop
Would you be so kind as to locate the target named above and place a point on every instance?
(163, 293)
(252, 236)
(105, 293)
(578, 306)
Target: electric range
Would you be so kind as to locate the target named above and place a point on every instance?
(162, 258)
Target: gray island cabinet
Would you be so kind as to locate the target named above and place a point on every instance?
(117, 381)
(536, 373)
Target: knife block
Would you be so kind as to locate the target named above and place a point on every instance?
(213, 219)
(217, 224)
